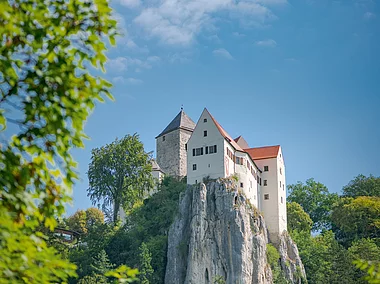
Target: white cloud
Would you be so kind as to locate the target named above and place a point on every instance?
(221, 52)
(266, 43)
(130, 3)
(272, 2)
(369, 15)
(119, 64)
(237, 34)
(178, 22)
(129, 81)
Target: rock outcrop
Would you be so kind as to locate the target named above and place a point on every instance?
(219, 237)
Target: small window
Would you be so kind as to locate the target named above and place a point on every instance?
(241, 184)
(198, 151)
(266, 196)
(280, 184)
(280, 171)
(282, 199)
(194, 152)
(196, 181)
(205, 133)
(260, 181)
(186, 146)
(265, 182)
(209, 165)
(283, 186)
(163, 138)
(266, 168)
(206, 149)
(250, 183)
(194, 167)
(205, 120)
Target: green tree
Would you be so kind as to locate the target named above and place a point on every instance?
(48, 93)
(298, 219)
(365, 249)
(315, 200)
(83, 221)
(358, 218)
(363, 186)
(101, 263)
(119, 173)
(145, 265)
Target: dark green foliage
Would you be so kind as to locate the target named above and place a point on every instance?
(149, 224)
(315, 200)
(358, 218)
(363, 186)
(145, 265)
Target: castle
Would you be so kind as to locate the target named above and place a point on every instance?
(205, 150)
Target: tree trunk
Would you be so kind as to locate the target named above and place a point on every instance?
(116, 208)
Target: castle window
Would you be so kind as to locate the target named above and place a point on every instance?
(280, 184)
(163, 138)
(265, 182)
(194, 152)
(198, 151)
(266, 168)
(283, 186)
(212, 149)
(260, 181)
(280, 171)
(204, 133)
(266, 196)
(241, 184)
(186, 146)
(194, 167)
(205, 120)
(282, 199)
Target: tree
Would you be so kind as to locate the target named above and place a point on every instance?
(83, 221)
(101, 264)
(358, 218)
(145, 267)
(47, 92)
(363, 186)
(298, 219)
(119, 173)
(315, 200)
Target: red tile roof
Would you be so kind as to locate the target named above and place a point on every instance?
(260, 153)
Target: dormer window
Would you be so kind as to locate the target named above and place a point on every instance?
(205, 120)
(205, 133)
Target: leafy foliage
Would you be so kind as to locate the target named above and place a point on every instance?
(297, 218)
(47, 91)
(83, 221)
(273, 258)
(357, 218)
(372, 270)
(145, 266)
(363, 186)
(119, 173)
(149, 224)
(315, 200)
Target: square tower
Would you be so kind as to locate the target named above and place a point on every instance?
(171, 143)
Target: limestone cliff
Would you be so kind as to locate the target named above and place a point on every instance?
(218, 237)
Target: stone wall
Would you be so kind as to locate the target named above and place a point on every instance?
(171, 154)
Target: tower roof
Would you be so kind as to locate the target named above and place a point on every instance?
(181, 121)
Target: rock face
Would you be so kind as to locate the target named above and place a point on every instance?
(290, 260)
(218, 237)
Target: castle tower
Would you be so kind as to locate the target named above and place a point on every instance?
(171, 143)
(273, 188)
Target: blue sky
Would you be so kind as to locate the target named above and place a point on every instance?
(303, 74)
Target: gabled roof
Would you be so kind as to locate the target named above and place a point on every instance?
(225, 134)
(241, 142)
(260, 153)
(181, 121)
